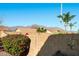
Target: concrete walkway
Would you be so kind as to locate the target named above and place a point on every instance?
(37, 41)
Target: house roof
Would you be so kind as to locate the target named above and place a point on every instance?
(27, 30)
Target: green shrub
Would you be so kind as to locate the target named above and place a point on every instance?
(71, 44)
(16, 44)
(41, 29)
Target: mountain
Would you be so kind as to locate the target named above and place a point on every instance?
(34, 26)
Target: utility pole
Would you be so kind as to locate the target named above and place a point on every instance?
(61, 8)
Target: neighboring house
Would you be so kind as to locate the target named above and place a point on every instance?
(11, 30)
(3, 31)
(18, 30)
(49, 32)
(25, 30)
(56, 30)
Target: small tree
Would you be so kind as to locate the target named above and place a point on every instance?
(71, 25)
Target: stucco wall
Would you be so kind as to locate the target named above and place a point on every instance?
(59, 42)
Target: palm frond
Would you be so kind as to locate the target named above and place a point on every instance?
(60, 16)
(74, 22)
(71, 17)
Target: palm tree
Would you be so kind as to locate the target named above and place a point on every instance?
(71, 25)
(66, 18)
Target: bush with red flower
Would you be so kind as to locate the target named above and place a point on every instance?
(26, 34)
(16, 44)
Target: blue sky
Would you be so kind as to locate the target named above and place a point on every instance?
(28, 14)
(36, 13)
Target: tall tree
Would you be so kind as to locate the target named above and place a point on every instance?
(66, 18)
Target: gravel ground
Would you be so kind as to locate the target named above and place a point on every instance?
(3, 53)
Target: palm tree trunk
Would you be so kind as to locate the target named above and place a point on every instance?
(65, 28)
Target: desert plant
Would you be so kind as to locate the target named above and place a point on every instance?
(16, 44)
(66, 18)
(41, 29)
